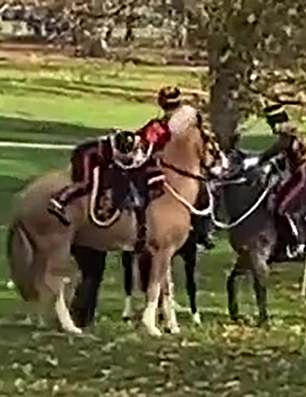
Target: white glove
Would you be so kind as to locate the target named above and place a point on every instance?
(250, 162)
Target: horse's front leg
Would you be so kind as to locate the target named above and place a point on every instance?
(127, 262)
(238, 270)
(169, 304)
(260, 271)
(160, 262)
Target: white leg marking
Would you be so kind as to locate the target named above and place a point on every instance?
(63, 313)
(169, 306)
(128, 311)
(196, 318)
(149, 315)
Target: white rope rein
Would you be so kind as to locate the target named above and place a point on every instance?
(209, 210)
(93, 197)
(205, 212)
(243, 217)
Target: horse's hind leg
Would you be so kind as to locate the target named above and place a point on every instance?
(160, 263)
(63, 312)
(260, 271)
(57, 285)
(127, 262)
(238, 270)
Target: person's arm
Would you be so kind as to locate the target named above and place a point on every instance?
(283, 143)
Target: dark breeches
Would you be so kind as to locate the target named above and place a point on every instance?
(92, 265)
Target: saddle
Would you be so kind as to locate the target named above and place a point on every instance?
(118, 190)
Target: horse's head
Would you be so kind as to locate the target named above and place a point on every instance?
(193, 145)
(213, 160)
(243, 164)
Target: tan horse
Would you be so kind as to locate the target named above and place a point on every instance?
(39, 246)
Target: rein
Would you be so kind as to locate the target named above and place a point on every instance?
(243, 217)
(209, 210)
(181, 172)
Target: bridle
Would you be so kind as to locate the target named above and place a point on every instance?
(181, 172)
(186, 173)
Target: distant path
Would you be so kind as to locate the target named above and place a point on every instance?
(29, 145)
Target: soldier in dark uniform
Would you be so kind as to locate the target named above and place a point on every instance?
(292, 194)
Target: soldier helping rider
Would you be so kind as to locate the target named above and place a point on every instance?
(289, 198)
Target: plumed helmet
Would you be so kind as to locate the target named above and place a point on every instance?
(169, 98)
(275, 114)
(124, 141)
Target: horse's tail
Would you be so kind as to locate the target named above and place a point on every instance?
(20, 256)
(144, 266)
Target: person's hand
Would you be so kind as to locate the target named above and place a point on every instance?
(250, 162)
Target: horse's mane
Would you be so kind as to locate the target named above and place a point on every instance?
(183, 119)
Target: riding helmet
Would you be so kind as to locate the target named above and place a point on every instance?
(275, 114)
(124, 141)
(169, 98)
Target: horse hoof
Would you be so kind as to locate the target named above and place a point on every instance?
(154, 331)
(235, 317)
(263, 323)
(73, 330)
(196, 319)
(174, 330)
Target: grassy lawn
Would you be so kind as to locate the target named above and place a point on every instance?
(219, 359)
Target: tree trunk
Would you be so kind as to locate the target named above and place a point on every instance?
(223, 109)
(224, 93)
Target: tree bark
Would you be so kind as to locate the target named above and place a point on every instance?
(224, 91)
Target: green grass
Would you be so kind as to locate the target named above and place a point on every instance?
(219, 359)
(93, 96)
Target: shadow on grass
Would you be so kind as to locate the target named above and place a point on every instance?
(53, 130)
(75, 89)
(64, 132)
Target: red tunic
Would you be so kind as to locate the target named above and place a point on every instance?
(157, 132)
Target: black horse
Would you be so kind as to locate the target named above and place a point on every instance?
(258, 240)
